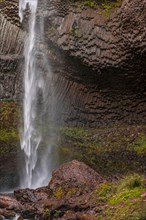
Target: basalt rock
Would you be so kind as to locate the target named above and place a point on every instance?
(31, 195)
(68, 195)
(75, 175)
(104, 61)
(10, 59)
(97, 56)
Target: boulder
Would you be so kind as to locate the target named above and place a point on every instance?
(9, 202)
(75, 175)
(31, 195)
(69, 195)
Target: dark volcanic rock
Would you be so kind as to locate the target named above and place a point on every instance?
(31, 195)
(69, 194)
(11, 46)
(7, 214)
(98, 60)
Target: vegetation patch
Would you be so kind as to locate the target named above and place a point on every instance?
(103, 191)
(9, 135)
(140, 145)
(108, 6)
(124, 199)
(59, 193)
(90, 3)
(110, 151)
(9, 117)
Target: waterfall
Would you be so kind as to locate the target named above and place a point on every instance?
(36, 92)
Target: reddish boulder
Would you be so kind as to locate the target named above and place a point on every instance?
(69, 195)
(75, 174)
(31, 195)
(72, 196)
(9, 202)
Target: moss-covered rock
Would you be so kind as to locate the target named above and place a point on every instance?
(110, 151)
(9, 117)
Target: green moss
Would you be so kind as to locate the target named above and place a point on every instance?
(109, 6)
(125, 195)
(9, 115)
(124, 200)
(129, 187)
(90, 3)
(9, 135)
(59, 193)
(113, 147)
(8, 140)
(133, 210)
(140, 145)
(131, 182)
(72, 191)
(103, 191)
(74, 133)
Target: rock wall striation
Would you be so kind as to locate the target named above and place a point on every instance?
(11, 45)
(98, 58)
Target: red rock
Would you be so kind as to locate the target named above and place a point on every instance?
(68, 195)
(9, 202)
(31, 195)
(75, 174)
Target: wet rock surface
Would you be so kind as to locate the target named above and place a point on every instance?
(9, 177)
(68, 195)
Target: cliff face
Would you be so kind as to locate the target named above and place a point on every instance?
(10, 50)
(97, 56)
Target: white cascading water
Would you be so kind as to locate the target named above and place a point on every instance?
(36, 171)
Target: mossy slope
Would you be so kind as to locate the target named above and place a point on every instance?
(114, 150)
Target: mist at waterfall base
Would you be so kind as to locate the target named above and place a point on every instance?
(37, 133)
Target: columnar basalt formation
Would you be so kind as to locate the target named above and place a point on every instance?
(98, 59)
(10, 56)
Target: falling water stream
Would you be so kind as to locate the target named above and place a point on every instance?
(35, 172)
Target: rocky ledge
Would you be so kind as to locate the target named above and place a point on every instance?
(68, 195)
(78, 192)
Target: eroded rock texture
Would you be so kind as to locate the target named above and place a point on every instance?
(98, 60)
(70, 193)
